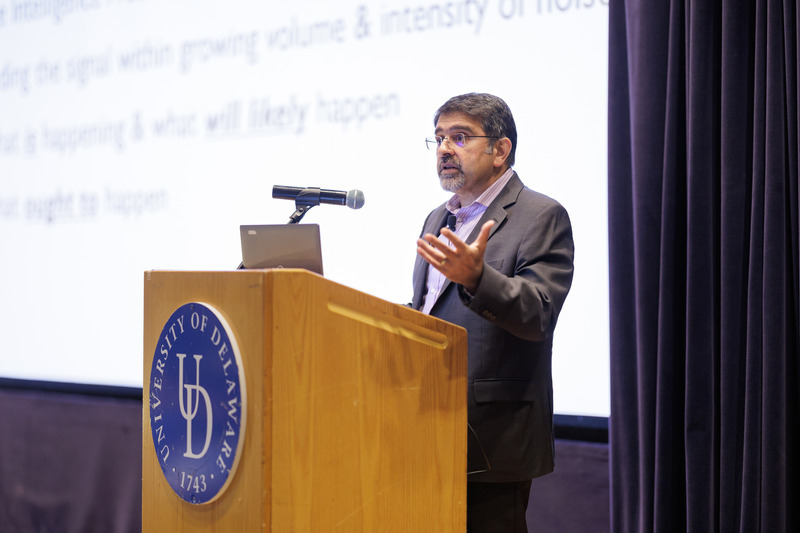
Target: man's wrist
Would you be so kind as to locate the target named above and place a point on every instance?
(472, 287)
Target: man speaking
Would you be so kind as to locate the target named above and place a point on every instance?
(506, 288)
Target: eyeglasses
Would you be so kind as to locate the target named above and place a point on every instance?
(459, 139)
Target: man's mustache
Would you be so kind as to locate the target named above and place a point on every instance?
(449, 160)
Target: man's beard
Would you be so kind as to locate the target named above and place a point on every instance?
(454, 182)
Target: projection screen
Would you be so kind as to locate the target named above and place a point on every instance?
(139, 135)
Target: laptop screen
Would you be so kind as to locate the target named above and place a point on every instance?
(282, 246)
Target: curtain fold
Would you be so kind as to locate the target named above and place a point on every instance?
(703, 223)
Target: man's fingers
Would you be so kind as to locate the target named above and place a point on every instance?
(432, 242)
(480, 241)
(433, 251)
(434, 258)
(466, 259)
(483, 236)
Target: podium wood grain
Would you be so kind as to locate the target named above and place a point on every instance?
(356, 409)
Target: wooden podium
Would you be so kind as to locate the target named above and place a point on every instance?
(356, 409)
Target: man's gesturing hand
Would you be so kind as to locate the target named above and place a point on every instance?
(461, 263)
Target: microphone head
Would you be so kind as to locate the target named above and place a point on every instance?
(355, 199)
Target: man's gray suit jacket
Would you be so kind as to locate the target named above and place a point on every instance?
(528, 265)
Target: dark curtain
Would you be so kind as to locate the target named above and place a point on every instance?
(69, 463)
(703, 225)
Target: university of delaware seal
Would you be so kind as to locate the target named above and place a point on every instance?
(197, 403)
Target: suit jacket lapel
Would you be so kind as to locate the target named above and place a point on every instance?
(497, 209)
(433, 225)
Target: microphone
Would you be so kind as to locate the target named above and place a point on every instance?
(451, 222)
(310, 196)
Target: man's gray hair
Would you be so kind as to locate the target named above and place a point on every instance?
(491, 112)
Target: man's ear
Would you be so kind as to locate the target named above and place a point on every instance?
(502, 149)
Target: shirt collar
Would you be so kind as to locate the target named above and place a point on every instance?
(486, 197)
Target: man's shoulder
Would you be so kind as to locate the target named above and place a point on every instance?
(527, 196)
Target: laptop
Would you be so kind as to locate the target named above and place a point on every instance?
(282, 246)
